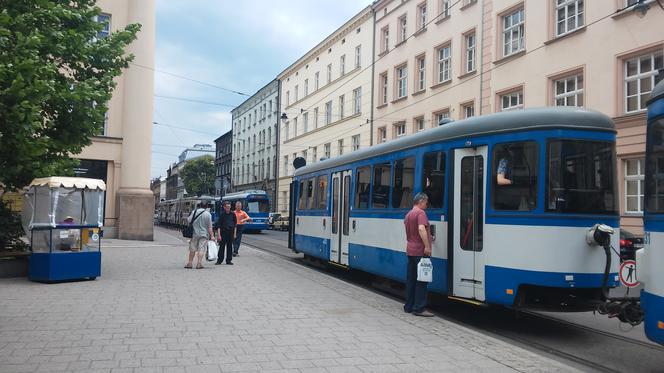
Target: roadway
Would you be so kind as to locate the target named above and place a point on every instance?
(594, 341)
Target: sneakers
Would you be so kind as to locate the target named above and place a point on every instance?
(423, 313)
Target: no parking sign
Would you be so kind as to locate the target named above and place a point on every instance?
(628, 274)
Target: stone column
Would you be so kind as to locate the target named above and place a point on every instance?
(135, 203)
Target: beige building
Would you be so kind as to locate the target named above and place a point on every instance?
(121, 155)
(326, 99)
(436, 59)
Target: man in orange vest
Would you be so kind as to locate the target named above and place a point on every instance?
(242, 217)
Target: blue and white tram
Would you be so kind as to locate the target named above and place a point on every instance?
(256, 203)
(518, 245)
(651, 258)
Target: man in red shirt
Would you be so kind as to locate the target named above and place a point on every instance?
(418, 245)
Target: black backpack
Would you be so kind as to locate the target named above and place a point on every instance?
(188, 231)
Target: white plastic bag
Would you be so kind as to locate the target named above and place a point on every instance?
(212, 251)
(425, 270)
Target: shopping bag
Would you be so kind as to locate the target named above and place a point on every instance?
(212, 251)
(425, 270)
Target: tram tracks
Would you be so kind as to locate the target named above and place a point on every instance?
(582, 346)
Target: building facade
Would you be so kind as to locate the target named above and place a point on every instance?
(121, 154)
(326, 100)
(223, 163)
(174, 183)
(255, 140)
(440, 59)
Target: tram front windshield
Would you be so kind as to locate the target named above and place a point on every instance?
(581, 177)
(257, 206)
(655, 168)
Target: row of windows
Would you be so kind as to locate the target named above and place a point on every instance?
(254, 172)
(312, 157)
(263, 112)
(311, 122)
(357, 63)
(640, 76)
(580, 179)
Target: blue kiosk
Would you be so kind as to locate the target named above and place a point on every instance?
(63, 216)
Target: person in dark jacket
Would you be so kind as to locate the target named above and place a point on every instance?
(226, 231)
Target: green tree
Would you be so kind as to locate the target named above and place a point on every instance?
(198, 175)
(56, 78)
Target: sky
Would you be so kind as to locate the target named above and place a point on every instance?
(236, 45)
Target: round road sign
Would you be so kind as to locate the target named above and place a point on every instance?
(628, 274)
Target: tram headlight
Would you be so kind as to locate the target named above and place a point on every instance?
(599, 234)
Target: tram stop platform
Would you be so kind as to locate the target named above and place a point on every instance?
(146, 313)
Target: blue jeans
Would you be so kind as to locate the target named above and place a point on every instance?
(238, 238)
(416, 291)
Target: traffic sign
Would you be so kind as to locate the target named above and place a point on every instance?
(628, 274)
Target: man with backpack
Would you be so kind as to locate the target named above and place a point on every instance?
(201, 222)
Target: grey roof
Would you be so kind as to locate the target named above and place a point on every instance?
(658, 92)
(527, 119)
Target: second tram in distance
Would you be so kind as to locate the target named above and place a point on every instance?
(256, 203)
(522, 244)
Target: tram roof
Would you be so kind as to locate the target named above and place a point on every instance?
(509, 121)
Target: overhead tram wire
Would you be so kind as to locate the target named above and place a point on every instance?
(192, 100)
(185, 128)
(190, 79)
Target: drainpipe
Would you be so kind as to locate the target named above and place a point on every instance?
(481, 56)
(373, 69)
(277, 135)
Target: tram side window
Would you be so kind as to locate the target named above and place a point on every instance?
(581, 177)
(655, 168)
(515, 168)
(310, 193)
(433, 178)
(403, 183)
(362, 187)
(380, 192)
(301, 199)
(321, 194)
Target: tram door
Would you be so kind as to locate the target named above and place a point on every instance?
(340, 217)
(469, 196)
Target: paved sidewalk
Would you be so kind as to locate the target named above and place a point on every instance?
(148, 314)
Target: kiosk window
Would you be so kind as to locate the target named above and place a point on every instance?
(514, 183)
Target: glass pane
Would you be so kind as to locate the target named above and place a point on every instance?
(515, 182)
(346, 204)
(310, 193)
(560, 87)
(579, 100)
(321, 195)
(581, 177)
(335, 205)
(571, 84)
(362, 185)
(659, 61)
(380, 191)
(645, 64)
(403, 183)
(302, 199)
(632, 167)
(632, 188)
(631, 68)
(632, 103)
(655, 167)
(579, 81)
(646, 84)
(467, 209)
(433, 178)
(632, 204)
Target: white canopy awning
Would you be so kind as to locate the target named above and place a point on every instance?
(69, 182)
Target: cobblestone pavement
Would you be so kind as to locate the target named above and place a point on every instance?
(146, 313)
